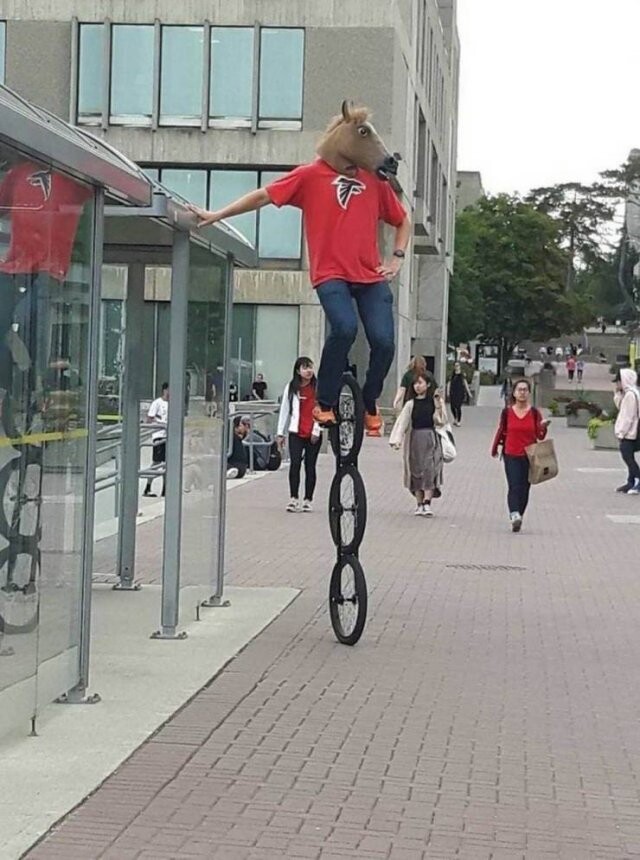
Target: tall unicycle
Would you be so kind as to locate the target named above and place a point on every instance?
(348, 517)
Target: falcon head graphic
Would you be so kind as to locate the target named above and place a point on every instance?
(346, 189)
(41, 179)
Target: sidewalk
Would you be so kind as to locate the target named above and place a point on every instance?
(489, 711)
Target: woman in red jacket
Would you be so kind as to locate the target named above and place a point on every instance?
(521, 424)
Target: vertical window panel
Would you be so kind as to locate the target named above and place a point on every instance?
(181, 75)
(231, 73)
(132, 73)
(281, 73)
(280, 230)
(190, 184)
(228, 185)
(90, 71)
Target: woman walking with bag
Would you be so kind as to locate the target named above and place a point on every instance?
(415, 430)
(458, 391)
(521, 424)
(296, 419)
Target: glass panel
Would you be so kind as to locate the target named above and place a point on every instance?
(281, 73)
(228, 185)
(132, 72)
(242, 343)
(276, 345)
(280, 229)
(3, 31)
(181, 74)
(90, 70)
(190, 184)
(46, 222)
(231, 72)
(152, 173)
(203, 429)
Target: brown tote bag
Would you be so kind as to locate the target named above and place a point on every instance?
(543, 463)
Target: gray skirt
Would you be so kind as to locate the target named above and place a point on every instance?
(425, 460)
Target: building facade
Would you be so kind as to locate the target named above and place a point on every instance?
(470, 189)
(217, 98)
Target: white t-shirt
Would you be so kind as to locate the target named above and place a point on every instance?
(159, 410)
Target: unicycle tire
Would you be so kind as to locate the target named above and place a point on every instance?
(348, 600)
(347, 509)
(346, 436)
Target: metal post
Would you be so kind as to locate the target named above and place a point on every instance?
(175, 430)
(216, 601)
(78, 695)
(130, 443)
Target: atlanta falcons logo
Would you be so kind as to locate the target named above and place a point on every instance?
(42, 180)
(346, 189)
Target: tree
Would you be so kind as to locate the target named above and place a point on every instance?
(509, 276)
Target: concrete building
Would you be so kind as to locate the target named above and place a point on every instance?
(216, 98)
(469, 189)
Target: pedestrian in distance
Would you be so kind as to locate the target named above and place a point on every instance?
(580, 369)
(344, 195)
(571, 367)
(521, 424)
(506, 390)
(458, 392)
(415, 430)
(304, 433)
(158, 414)
(627, 400)
(259, 388)
(416, 367)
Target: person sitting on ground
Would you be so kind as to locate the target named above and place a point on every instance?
(343, 196)
(238, 459)
(627, 401)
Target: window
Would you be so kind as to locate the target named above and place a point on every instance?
(181, 75)
(3, 36)
(280, 230)
(434, 173)
(90, 72)
(190, 184)
(281, 73)
(228, 185)
(231, 74)
(132, 68)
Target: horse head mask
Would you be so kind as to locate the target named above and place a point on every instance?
(351, 142)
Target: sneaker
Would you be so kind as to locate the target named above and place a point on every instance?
(624, 488)
(373, 424)
(293, 506)
(426, 510)
(419, 511)
(307, 506)
(232, 472)
(324, 417)
(516, 522)
(147, 492)
(635, 490)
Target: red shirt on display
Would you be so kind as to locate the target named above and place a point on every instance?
(341, 216)
(45, 207)
(307, 395)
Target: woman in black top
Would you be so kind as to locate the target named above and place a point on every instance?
(458, 392)
(416, 429)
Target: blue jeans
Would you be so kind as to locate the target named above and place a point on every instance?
(517, 471)
(375, 307)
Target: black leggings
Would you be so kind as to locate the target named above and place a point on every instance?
(517, 470)
(299, 448)
(628, 454)
(456, 411)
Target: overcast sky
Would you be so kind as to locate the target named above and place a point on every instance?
(549, 91)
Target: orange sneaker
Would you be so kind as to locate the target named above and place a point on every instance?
(324, 417)
(373, 424)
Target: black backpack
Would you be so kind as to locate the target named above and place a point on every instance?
(275, 458)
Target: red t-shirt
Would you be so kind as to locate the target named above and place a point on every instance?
(341, 217)
(521, 432)
(45, 208)
(307, 395)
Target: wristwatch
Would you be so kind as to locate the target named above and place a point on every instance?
(399, 254)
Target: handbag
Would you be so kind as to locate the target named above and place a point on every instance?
(543, 463)
(447, 443)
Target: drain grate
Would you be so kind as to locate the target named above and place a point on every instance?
(489, 567)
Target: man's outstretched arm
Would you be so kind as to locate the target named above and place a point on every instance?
(248, 203)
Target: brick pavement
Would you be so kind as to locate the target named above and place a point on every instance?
(490, 710)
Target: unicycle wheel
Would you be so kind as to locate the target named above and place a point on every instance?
(346, 436)
(348, 600)
(347, 509)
